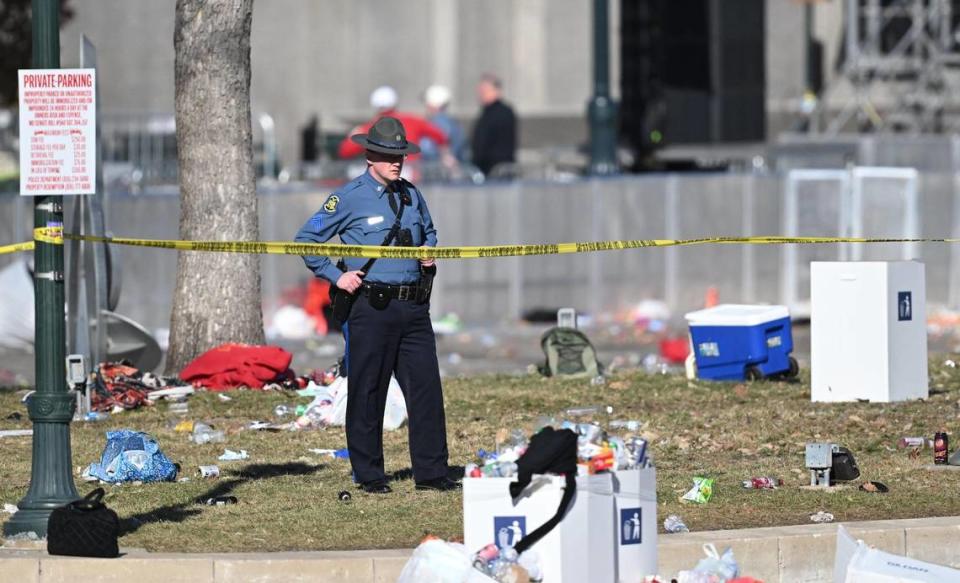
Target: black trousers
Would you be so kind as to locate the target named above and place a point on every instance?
(395, 340)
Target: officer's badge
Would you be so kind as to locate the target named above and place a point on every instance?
(331, 205)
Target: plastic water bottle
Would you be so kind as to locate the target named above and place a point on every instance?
(282, 410)
(674, 523)
(94, 416)
(203, 433)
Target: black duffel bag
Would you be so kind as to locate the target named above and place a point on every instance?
(84, 528)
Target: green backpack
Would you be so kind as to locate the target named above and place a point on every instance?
(569, 353)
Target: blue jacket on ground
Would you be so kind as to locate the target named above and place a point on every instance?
(360, 213)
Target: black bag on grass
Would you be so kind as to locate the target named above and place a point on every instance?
(844, 467)
(84, 528)
(551, 451)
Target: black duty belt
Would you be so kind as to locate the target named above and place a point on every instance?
(392, 291)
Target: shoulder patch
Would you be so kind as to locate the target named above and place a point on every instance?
(331, 205)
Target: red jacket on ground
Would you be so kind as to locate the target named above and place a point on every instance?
(230, 366)
(415, 126)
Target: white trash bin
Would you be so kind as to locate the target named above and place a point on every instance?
(579, 549)
(868, 331)
(635, 527)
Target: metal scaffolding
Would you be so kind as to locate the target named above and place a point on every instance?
(902, 58)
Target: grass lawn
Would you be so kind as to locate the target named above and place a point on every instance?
(288, 496)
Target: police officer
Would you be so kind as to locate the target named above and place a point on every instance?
(388, 330)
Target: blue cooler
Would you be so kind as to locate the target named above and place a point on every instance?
(736, 342)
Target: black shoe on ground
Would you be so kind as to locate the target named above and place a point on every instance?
(376, 487)
(443, 484)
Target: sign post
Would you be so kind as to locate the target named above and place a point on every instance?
(51, 406)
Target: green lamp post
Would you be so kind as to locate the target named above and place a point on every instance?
(51, 407)
(601, 110)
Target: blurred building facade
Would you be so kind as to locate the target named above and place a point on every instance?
(323, 57)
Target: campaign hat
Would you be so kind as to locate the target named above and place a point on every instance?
(386, 136)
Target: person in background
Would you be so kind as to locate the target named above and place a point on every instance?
(495, 133)
(384, 101)
(437, 99)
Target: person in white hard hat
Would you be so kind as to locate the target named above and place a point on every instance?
(437, 99)
(383, 99)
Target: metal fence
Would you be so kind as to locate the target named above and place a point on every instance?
(861, 201)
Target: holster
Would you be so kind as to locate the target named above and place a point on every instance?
(341, 301)
(425, 285)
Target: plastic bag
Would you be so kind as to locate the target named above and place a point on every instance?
(714, 568)
(335, 411)
(396, 411)
(436, 561)
(701, 492)
(132, 456)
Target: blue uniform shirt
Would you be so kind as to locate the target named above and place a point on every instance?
(360, 213)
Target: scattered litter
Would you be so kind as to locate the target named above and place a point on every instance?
(184, 479)
(329, 407)
(121, 386)
(263, 426)
(344, 496)
(714, 567)
(821, 517)
(171, 392)
(950, 363)
(94, 416)
(203, 433)
(184, 427)
(87, 477)
(10, 508)
(224, 398)
(232, 456)
(597, 451)
(131, 456)
(436, 561)
(208, 472)
(342, 454)
(917, 442)
(762, 483)
(701, 492)
(219, 500)
(313, 389)
(23, 536)
(180, 408)
(874, 487)
(16, 432)
(674, 524)
(283, 410)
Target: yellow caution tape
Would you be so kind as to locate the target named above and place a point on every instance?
(56, 237)
(28, 246)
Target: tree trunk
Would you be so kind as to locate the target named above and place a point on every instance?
(217, 298)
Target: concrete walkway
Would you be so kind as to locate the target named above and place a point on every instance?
(789, 554)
